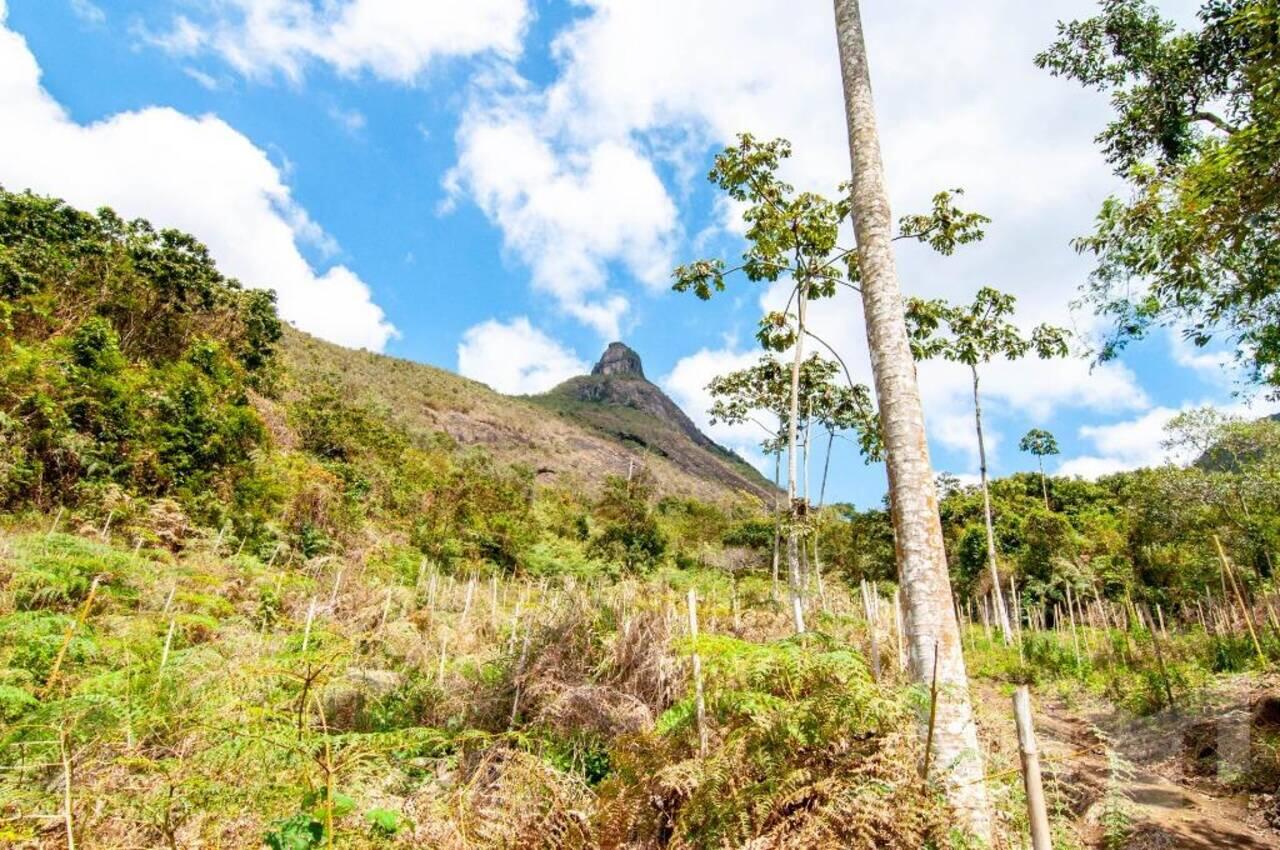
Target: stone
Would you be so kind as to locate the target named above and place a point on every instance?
(619, 359)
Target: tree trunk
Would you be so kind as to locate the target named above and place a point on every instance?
(922, 562)
(793, 553)
(826, 467)
(777, 520)
(1002, 614)
(1044, 483)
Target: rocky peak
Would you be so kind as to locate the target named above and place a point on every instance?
(619, 359)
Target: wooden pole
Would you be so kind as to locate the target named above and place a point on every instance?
(1037, 813)
(1244, 610)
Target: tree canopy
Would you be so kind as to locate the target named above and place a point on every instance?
(1196, 135)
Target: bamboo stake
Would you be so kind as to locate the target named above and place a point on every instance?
(1164, 673)
(515, 702)
(897, 629)
(1244, 611)
(868, 608)
(66, 791)
(66, 638)
(306, 630)
(1037, 813)
(933, 713)
(1075, 636)
(57, 519)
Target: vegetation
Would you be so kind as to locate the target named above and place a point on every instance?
(259, 591)
(1196, 135)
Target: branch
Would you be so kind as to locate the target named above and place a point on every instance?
(1215, 120)
(847, 374)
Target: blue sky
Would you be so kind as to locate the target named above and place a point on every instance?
(501, 187)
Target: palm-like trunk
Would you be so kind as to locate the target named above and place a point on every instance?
(1002, 613)
(793, 552)
(1044, 482)
(931, 627)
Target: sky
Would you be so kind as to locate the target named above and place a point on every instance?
(502, 187)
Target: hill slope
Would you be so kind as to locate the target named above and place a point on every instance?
(617, 400)
(603, 422)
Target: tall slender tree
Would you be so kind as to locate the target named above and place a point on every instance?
(1040, 443)
(762, 394)
(974, 334)
(792, 237)
(931, 628)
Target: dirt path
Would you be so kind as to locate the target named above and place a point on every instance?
(1166, 810)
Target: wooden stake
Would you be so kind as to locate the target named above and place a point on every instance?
(1244, 611)
(1037, 813)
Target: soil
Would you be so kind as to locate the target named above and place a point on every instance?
(1171, 804)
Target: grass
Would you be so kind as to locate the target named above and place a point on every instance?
(582, 444)
(367, 703)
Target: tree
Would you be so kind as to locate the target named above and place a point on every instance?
(762, 394)
(931, 628)
(791, 235)
(1196, 135)
(973, 335)
(1040, 443)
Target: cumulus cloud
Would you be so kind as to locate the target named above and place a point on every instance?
(196, 174)
(567, 218)
(687, 386)
(515, 357)
(1136, 443)
(390, 39)
(962, 107)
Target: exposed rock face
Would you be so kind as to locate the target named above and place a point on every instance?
(619, 359)
(617, 399)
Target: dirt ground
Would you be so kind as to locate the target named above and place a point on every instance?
(1170, 799)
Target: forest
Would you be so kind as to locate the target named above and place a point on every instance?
(260, 591)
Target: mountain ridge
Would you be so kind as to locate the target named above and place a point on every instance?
(599, 424)
(618, 400)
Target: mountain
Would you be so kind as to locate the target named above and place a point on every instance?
(617, 401)
(586, 428)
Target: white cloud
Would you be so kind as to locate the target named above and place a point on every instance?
(1136, 443)
(351, 120)
(195, 174)
(204, 80)
(687, 386)
(567, 218)
(89, 12)
(390, 39)
(515, 357)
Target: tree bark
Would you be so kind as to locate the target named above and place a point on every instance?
(1002, 613)
(1044, 483)
(921, 556)
(777, 522)
(793, 552)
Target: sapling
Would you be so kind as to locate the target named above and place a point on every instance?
(973, 335)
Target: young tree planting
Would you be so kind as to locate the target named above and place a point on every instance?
(1040, 443)
(973, 335)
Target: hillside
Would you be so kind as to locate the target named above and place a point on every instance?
(603, 422)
